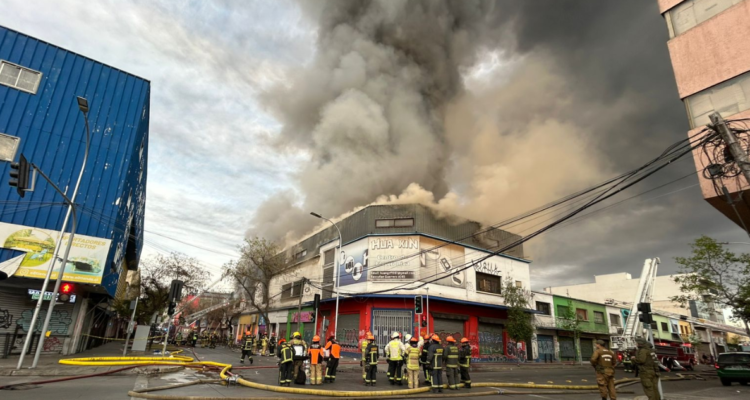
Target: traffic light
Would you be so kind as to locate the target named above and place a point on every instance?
(66, 290)
(418, 305)
(645, 313)
(175, 291)
(19, 175)
(424, 321)
(172, 306)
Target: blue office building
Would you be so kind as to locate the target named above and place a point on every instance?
(40, 118)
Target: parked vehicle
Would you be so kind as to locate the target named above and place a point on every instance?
(734, 367)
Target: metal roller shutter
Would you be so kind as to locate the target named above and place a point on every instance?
(448, 327)
(490, 340)
(385, 322)
(546, 347)
(587, 348)
(17, 308)
(347, 332)
(567, 348)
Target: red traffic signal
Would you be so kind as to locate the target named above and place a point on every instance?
(66, 288)
(424, 320)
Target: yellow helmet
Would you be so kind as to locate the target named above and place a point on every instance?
(295, 334)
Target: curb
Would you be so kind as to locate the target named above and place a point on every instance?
(68, 371)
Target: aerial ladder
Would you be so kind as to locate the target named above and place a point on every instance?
(633, 325)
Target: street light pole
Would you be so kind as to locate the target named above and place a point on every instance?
(338, 270)
(84, 108)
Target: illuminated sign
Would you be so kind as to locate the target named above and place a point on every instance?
(48, 295)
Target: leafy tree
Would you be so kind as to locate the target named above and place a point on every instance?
(260, 260)
(715, 275)
(157, 273)
(568, 320)
(520, 326)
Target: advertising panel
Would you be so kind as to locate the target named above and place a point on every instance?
(86, 262)
(352, 262)
(440, 261)
(393, 258)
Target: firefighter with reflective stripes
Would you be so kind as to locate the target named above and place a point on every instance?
(299, 348)
(435, 357)
(264, 345)
(464, 362)
(371, 361)
(412, 356)
(426, 361)
(248, 342)
(450, 358)
(316, 361)
(394, 353)
(333, 351)
(286, 363)
(363, 346)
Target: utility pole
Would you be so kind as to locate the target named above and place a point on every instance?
(299, 305)
(740, 156)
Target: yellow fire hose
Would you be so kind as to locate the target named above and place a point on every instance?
(185, 361)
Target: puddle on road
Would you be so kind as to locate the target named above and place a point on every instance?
(183, 376)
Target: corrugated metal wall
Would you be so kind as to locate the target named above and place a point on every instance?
(52, 135)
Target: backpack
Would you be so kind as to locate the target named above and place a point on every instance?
(301, 377)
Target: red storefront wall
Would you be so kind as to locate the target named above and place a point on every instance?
(493, 348)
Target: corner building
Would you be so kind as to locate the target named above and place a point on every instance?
(386, 250)
(40, 118)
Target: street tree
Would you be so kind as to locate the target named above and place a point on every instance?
(157, 272)
(260, 260)
(568, 320)
(520, 325)
(713, 276)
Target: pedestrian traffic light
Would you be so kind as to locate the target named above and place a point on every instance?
(418, 305)
(424, 320)
(66, 290)
(170, 311)
(19, 175)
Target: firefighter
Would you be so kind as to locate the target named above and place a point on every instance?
(248, 341)
(333, 355)
(363, 346)
(285, 363)
(412, 356)
(212, 341)
(371, 361)
(178, 339)
(426, 361)
(627, 363)
(195, 338)
(264, 345)
(648, 369)
(603, 360)
(299, 348)
(464, 362)
(394, 354)
(435, 357)
(316, 361)
(272, 343)
(450, 359)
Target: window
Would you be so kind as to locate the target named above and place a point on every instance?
(396, 222)
(664, 327)
(300, 254)
(562, 311)
(614, 320)
(18, 77)
(8, 147)
(728, 98)
(291, 290)
(519, 284)
(693, 12)
(582, 314)
(598, 317)
(543, 308)
(488, 283)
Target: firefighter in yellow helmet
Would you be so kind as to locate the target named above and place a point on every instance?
(299, 350)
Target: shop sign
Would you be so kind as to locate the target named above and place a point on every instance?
(34, 293)
(392, 275)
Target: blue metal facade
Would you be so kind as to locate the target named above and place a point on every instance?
(112, 195)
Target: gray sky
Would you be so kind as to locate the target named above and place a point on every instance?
(490, 107)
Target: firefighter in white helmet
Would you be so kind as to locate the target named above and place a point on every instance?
(394, 353)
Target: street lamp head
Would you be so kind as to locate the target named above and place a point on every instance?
(316, 215)
(83, 104)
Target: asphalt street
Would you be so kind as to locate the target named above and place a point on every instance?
(263, 371)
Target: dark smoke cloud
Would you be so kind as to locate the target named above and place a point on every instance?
(585, 90)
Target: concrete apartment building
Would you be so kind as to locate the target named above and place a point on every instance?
(710, 54)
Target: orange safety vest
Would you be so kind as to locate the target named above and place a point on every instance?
(335, 349)
(316, 354)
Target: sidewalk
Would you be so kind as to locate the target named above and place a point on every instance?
(48, 363)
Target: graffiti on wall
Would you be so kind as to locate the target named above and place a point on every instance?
(546, 346)
(6, 319)
(52, 344)
(490, 343)
(58, 324)
(516, 350)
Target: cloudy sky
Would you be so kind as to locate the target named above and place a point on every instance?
(262, 111)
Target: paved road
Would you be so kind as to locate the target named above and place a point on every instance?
(116, 387)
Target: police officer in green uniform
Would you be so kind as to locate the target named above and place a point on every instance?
(648, 369)
(603, 361)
